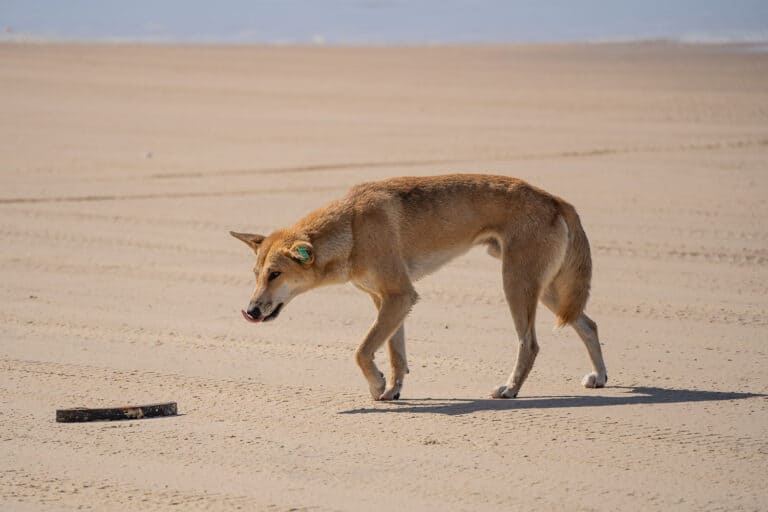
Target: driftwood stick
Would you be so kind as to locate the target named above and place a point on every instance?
(127, 412)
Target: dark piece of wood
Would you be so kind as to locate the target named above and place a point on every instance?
(127, 412)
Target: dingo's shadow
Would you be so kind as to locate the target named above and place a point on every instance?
(631, 396)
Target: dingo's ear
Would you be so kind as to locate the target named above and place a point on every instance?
(303, 252)
(253, 241)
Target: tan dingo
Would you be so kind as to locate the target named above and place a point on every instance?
(385, 235)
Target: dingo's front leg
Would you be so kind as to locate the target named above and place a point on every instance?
(399, 364)
(392, 313)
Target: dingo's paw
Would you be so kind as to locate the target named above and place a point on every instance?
(390, 394)
(377, 388)
(593, 380)
(503, 392)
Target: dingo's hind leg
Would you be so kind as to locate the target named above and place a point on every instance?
(587, 331)
(521, 289)
(586, 328)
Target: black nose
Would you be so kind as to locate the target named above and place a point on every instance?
(254, 311)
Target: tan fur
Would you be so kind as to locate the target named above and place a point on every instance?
(383, 236)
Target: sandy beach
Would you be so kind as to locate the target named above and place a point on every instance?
(122, 168)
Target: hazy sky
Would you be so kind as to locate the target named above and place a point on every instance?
(384, 21)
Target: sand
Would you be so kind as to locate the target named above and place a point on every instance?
(123, 167)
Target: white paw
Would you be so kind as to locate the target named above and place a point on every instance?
(503, 392)
(390, 394)
(377, 387)
(593, 380)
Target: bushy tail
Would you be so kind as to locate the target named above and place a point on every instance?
(571, 284)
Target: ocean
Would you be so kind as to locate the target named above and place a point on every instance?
(384, 22)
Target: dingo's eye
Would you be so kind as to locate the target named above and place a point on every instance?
(273, 275)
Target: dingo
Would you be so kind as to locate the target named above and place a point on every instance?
(383, 236)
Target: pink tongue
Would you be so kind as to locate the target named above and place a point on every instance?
(249, 317)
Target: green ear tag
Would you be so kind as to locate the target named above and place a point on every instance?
(303, 253)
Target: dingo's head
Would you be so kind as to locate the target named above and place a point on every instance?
(283, 270)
